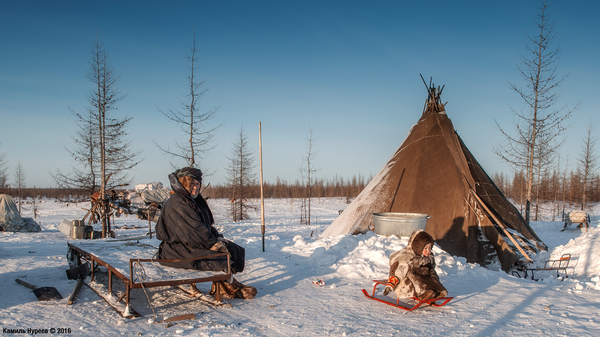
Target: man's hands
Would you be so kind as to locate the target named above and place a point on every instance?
(219, 247)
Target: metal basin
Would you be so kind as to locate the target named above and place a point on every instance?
(399, 224)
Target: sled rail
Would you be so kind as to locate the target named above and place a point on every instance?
(560, 265)
(432, 301)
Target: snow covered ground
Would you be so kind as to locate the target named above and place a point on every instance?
(486, 302)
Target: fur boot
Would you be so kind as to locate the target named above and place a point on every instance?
(234, 289)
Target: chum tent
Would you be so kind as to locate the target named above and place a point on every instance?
(433, 172)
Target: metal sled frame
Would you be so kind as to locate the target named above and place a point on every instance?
(121, 303)
(397, 304)
(558, 265)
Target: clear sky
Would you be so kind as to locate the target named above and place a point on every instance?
(348, 70)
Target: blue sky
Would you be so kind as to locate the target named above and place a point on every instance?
(348, 70)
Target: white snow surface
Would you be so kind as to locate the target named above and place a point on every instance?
(486, 302)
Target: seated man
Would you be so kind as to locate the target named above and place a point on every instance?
(412, 270)
(186, 230)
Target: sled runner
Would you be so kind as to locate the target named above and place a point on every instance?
(206, 298)
(407, 308)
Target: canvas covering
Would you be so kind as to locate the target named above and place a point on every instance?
(11, 220)
(434, 173)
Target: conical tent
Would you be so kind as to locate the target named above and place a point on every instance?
(433, 172)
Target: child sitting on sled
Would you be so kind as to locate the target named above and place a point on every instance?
(412, 270)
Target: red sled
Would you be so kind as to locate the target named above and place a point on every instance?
(432, 301)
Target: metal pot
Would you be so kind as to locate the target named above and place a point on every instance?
(399, 224)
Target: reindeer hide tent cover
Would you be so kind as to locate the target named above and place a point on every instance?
(433, 172)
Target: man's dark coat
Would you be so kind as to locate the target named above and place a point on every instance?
(186, 230)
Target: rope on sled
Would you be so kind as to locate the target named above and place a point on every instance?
(140, 275)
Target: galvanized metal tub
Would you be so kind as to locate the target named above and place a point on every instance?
(399, 224)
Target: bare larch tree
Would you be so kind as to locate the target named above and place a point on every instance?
(539, 128)
(116, 158)
(241, 178)
(101, 144)
(587, 164)
(307, 170)
(20, 182)
(3, 171)
(192, 121)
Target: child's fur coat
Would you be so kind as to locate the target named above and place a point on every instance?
(415, 272)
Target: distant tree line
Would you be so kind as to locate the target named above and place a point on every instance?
(564, 190)
(63, 194)
(321, 188)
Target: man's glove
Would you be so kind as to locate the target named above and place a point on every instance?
(219, 247)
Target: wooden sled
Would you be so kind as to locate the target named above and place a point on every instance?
(432, 301)
(125, 266)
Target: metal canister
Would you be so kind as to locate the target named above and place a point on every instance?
(77, 230)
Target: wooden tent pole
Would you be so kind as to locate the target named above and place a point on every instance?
(497, 220)
(262, 199)
(502, 226)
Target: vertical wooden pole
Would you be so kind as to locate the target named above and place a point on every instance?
(262, 199)
(149, 222)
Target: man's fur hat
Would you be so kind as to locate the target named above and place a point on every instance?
(189, 172)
